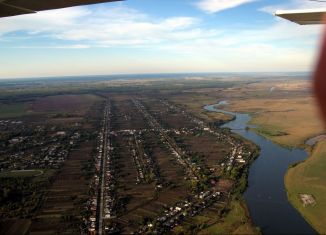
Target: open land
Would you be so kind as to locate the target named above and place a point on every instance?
(138, 156)
(290, 117)
(44, 149)
(309, 178)
(285, 112)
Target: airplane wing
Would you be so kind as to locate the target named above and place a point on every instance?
(18, 7)
(303, 17)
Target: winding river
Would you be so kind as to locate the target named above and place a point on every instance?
(266, 195)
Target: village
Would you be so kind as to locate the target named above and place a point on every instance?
(108, 207)
(153, 166)
(35, 147)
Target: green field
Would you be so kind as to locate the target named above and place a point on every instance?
(21, 173)
(22, 192)
(269, 131)
(309, 178)
(12, 110)
(287, 121)
(235, 222)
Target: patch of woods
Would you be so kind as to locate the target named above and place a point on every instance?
(271, 132)
(21, 196)
(240, 176)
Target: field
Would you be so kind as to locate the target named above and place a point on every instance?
(12, 110)
(21, 173)
(140, 196)
(288, 116)
(285, 112)
(147, 129)
(48, 130)
(64, 196)
(195, 100)
(204, 148)
(69, 104)
(62, 104)
(288, 122)
(236, 222)
(15, 227)
(309, 178)
(166, 151)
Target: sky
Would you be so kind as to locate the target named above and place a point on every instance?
(158, 36)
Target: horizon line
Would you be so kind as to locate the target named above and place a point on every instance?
(149, 74)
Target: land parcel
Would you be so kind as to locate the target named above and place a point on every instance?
(308, 180)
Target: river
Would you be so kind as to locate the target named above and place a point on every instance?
(266, 194)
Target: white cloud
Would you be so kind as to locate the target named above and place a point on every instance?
(213, 6)
(43, 21)
(106, 26)
(120, 26)
(174, 44)
(74, 46)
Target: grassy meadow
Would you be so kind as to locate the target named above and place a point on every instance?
(21, 173)
(236, 222)
(289, 117)
(289, 122)
(13, 110)
(285, 112)
(195, 103)
(309, 178)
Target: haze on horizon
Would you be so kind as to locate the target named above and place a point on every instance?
(142, 36)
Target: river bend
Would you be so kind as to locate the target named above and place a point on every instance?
(266, 195)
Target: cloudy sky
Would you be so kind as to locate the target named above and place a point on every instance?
(158, 36)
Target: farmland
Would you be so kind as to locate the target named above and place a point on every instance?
(12, 110)
(140, 156)
(163, 161)
(153, 179)
(43, 155)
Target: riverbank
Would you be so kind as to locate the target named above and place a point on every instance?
(237, 221)
(309, 178)
(294, 123)
(288, 122)
(266, 191)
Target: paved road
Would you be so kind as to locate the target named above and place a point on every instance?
(101, 198)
